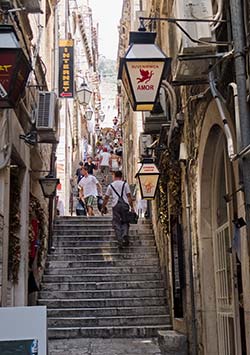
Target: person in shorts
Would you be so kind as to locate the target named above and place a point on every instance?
(105, 164)
(89, 189)
(120, 187)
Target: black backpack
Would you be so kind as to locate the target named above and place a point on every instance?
(121, 204)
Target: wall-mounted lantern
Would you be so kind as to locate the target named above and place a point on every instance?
(102, 116)
(84, 94)
(15, 67)
(148, 176)
(48, 185)
(89, 113)
(142, 70)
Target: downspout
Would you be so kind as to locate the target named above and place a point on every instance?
(228, 133)
(240, 73)
(237, 128)
(194, 344)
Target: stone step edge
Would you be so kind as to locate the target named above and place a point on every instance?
(99, 299)
(104, 275)
(161, 326)
(102, 282)
(108, 290)
(148, 316)
(88, 309)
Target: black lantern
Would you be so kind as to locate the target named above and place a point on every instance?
(14, 68)
(48, 185)
(142, 70)
(148, 176)
(84, 94)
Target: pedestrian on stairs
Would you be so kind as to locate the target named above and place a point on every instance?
(89, 188)
(118, 188)
(104, 164)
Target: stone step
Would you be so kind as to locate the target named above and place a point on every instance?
(98, 219)
(106, 312)
(149, 331)
(70, 233)
(97, 257)
(111, 250)
(107, 321)
(107, 270)
(102, 243)
(96, 294)
(99, 277)
(91, 288)
(98, 227)
(102, 302)
(106, 236)
(102, 263)
(76, 286)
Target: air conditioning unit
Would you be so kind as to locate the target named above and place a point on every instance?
(47, 117)
(186, 67)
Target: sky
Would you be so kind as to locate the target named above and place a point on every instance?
(107, 14)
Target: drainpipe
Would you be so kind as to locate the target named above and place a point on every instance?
(194, 345)
(237, 128)
(240, 73)
(229, 137)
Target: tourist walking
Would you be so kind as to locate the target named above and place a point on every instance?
(104, 164)
(119, 188)
(79, 172)
(89, 189)
(114, 161)
(90, 166)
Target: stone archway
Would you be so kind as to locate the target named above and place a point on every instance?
(219, 312)
(206, 243)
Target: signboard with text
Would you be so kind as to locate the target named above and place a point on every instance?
(66, 69)
(14, 72)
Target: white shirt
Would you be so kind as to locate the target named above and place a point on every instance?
(88, 183)
(105, 158)
(117, 184)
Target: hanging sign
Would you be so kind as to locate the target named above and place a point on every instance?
(145, 78)
(66, 68)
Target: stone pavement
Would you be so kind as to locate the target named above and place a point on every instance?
(97, 346)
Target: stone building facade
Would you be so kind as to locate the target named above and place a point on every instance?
(201, 213)
(24, 159)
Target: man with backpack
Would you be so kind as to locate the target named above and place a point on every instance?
(121, 202)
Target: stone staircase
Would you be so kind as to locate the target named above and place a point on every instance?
(93, 289)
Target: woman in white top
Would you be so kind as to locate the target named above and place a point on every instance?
(104, 163)
(114, 161)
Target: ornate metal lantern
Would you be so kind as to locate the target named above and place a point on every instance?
(148, 176)
(142, 70)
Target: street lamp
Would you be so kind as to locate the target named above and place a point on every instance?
(148, 176)
(15, 68)
(142, 70)
(102, 116)
(48, 185)
(84, 94)
(88, 113)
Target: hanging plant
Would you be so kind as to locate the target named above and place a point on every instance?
(14, 228)
(36, 211)
(170, 184)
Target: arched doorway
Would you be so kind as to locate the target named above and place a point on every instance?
(220, 310)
